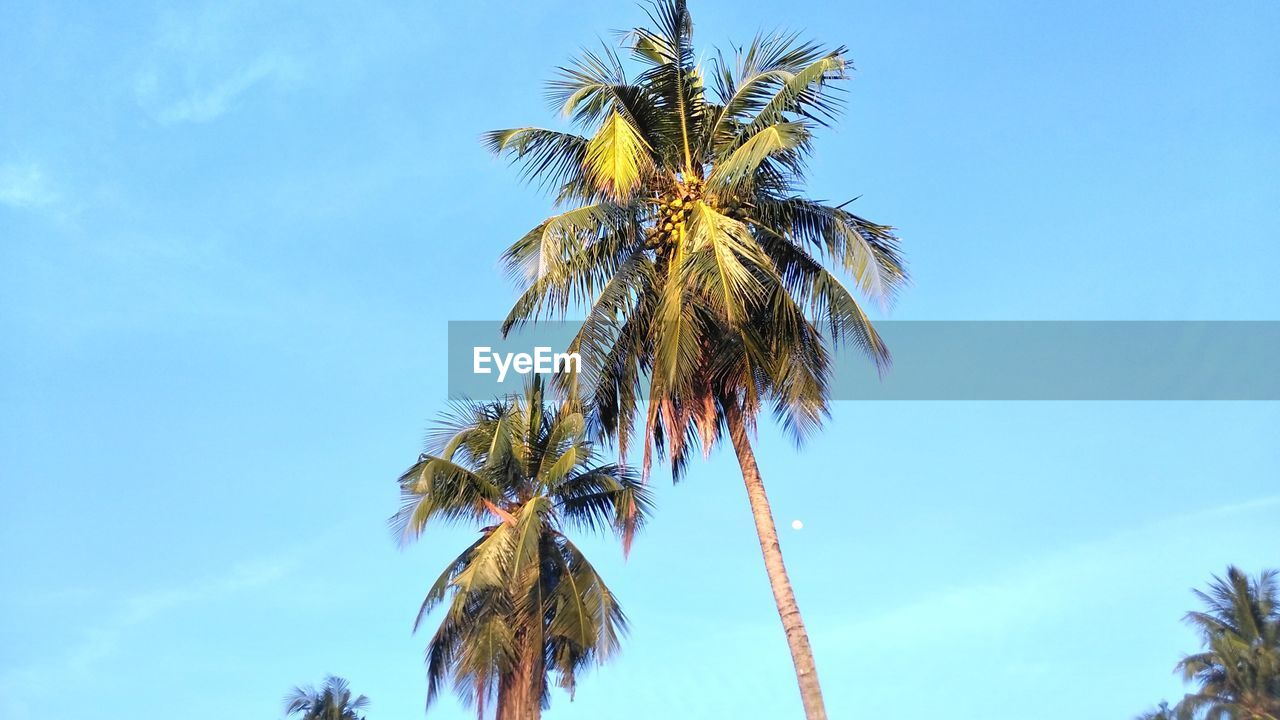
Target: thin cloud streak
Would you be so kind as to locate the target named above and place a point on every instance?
(205, 104)
(200, 64)
(25, 186)
(21, 686)
(1049, 585)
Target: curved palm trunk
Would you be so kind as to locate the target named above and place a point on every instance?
(788, 610)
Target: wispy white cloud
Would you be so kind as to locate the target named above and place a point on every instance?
(103, 641)
(1052, 583)
(201, 63)
(21, 686)
(209, 101)
(25, 186)
(1015, 636)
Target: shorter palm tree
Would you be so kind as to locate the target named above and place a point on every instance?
(523, 603)
(332, 701)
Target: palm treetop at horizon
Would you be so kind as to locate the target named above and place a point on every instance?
(703, 269)
(331, 701)
(1238, 670)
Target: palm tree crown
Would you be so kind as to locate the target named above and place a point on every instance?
(683, 234)
(332, 701)
(522, 600)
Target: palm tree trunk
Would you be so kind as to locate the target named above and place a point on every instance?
(518, 692)
(788, 610)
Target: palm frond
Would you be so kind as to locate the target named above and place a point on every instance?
(616, 157)
(787, 139)
(806, 93)
(548, 158)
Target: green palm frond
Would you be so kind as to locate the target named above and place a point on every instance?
(668, 50)
(591, 85)
(725, 264)
(746, 84)
(605, 496)
(441, 588)
(585, 613)
(867, 251)
(574, 279)
(829, 302)
(805, 93)
(549, 158)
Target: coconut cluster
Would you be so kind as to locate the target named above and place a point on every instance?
(735, 210)
(674, 210)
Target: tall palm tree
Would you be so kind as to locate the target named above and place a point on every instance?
(522, 601)
(702, 270)
(1238, 672)
(332, 701)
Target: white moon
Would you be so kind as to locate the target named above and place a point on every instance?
(797, 525)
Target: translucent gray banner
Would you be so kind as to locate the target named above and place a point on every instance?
(953, 360)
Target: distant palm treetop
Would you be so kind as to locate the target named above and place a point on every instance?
(1237, 674)
(332, 701)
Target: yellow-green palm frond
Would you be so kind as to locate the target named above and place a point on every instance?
(594, 85)
(589, 86)
(668, 49)
(725, 263)
(557, 240)
(827, 300)
(616, 158)
(787, 139)
(438, 488)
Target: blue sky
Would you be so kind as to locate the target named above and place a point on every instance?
(231, 236)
